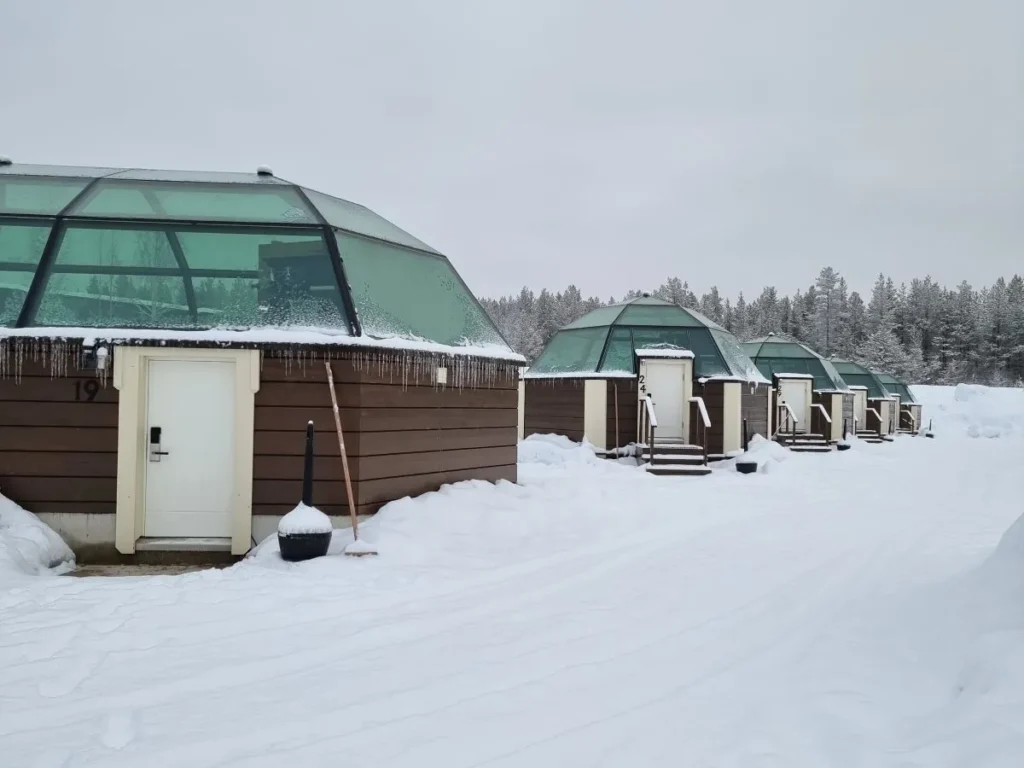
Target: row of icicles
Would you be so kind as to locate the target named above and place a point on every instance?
(61, 357)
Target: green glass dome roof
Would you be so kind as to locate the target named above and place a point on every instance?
(896, 387)
(147, 249)
(856, 375)
(604, 342)
(777, 355)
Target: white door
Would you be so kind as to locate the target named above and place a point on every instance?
(190, 471)
(665, 383)
(794, 392)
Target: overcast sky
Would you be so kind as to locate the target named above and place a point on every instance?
(609, 144)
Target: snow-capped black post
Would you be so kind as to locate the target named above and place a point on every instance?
(746, 440)
(307, 469)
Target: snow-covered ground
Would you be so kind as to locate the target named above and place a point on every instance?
(842, 610)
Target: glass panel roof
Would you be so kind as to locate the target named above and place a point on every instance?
(38, 194)
(183, 249)
(398, 292)
(71, 171)
(212, 177)
(148, 278)
(355, 218)
(572, 351)
(194, 202)
(21, 245)
(661, 315)
(600, 316)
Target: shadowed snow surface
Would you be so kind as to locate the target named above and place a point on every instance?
(840, 610)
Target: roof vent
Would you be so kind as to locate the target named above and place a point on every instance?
(264, 170)
(645, 295)
(6, 160)
(771, 333)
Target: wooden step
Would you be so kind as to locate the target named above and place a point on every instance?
(677, 470)
(810, 448)
(676, 458)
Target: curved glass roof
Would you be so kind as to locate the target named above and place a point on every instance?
(856, 375)
(777, 355)
(133, 248)
(605, 341)
(897, 387)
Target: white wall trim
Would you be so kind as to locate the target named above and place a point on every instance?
(595, 412)
(732, 417)
(131, 364)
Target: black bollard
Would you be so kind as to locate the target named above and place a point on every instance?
(307, 470)
(746, 440)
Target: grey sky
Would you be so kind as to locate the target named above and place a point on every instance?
(610, 144)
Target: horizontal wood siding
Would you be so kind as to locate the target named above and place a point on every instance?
(58, 441)
(713, 394)
(554, 406)
(848, 412)
(754, 408)
(402, 437)
(628, 404)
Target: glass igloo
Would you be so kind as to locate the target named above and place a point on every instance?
(605, 341)
(140, 249)
(778, 355)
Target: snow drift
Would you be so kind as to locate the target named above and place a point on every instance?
(28, 546)
(973, 410)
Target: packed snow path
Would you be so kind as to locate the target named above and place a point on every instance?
(594, 616)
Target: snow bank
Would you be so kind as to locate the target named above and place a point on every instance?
(28, 546)
(763, 452)
(972, 410)
(555, 451)
(302, 520)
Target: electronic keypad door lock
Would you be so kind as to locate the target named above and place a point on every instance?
(155, 453)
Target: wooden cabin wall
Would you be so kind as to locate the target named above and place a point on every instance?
(848, 401)
(713, 394)
(754, 402)
(628, 406)
(58, 441)
(819, 425)
(554, 406)
(402, 440)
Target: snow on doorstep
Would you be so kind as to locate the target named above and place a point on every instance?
(29, 547)
(310, 336)
(681, 354)
(304, 519)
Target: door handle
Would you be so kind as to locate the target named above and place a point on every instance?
(155, 435)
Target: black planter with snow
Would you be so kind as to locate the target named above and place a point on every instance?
(303, 546)
(746, 467)
(843, 446)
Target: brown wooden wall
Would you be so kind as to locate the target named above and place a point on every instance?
(554, 406)
(58, 441)
(628, 405)
(754, 408)
(713, 393)
(401, 441)
(848, 412)
(818, 423)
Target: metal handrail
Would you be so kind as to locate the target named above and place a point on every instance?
(823, 410)
(705, 424)
(649, 407)
(703, 411)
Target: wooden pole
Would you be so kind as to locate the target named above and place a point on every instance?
(344, 455)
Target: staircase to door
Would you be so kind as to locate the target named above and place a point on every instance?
(672, 457)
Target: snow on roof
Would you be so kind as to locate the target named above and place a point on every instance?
(858, 387)
(665, 352)
(794, 376)
(297, 336)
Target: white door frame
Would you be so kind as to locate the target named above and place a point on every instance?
(686, 371)
(131, 379)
